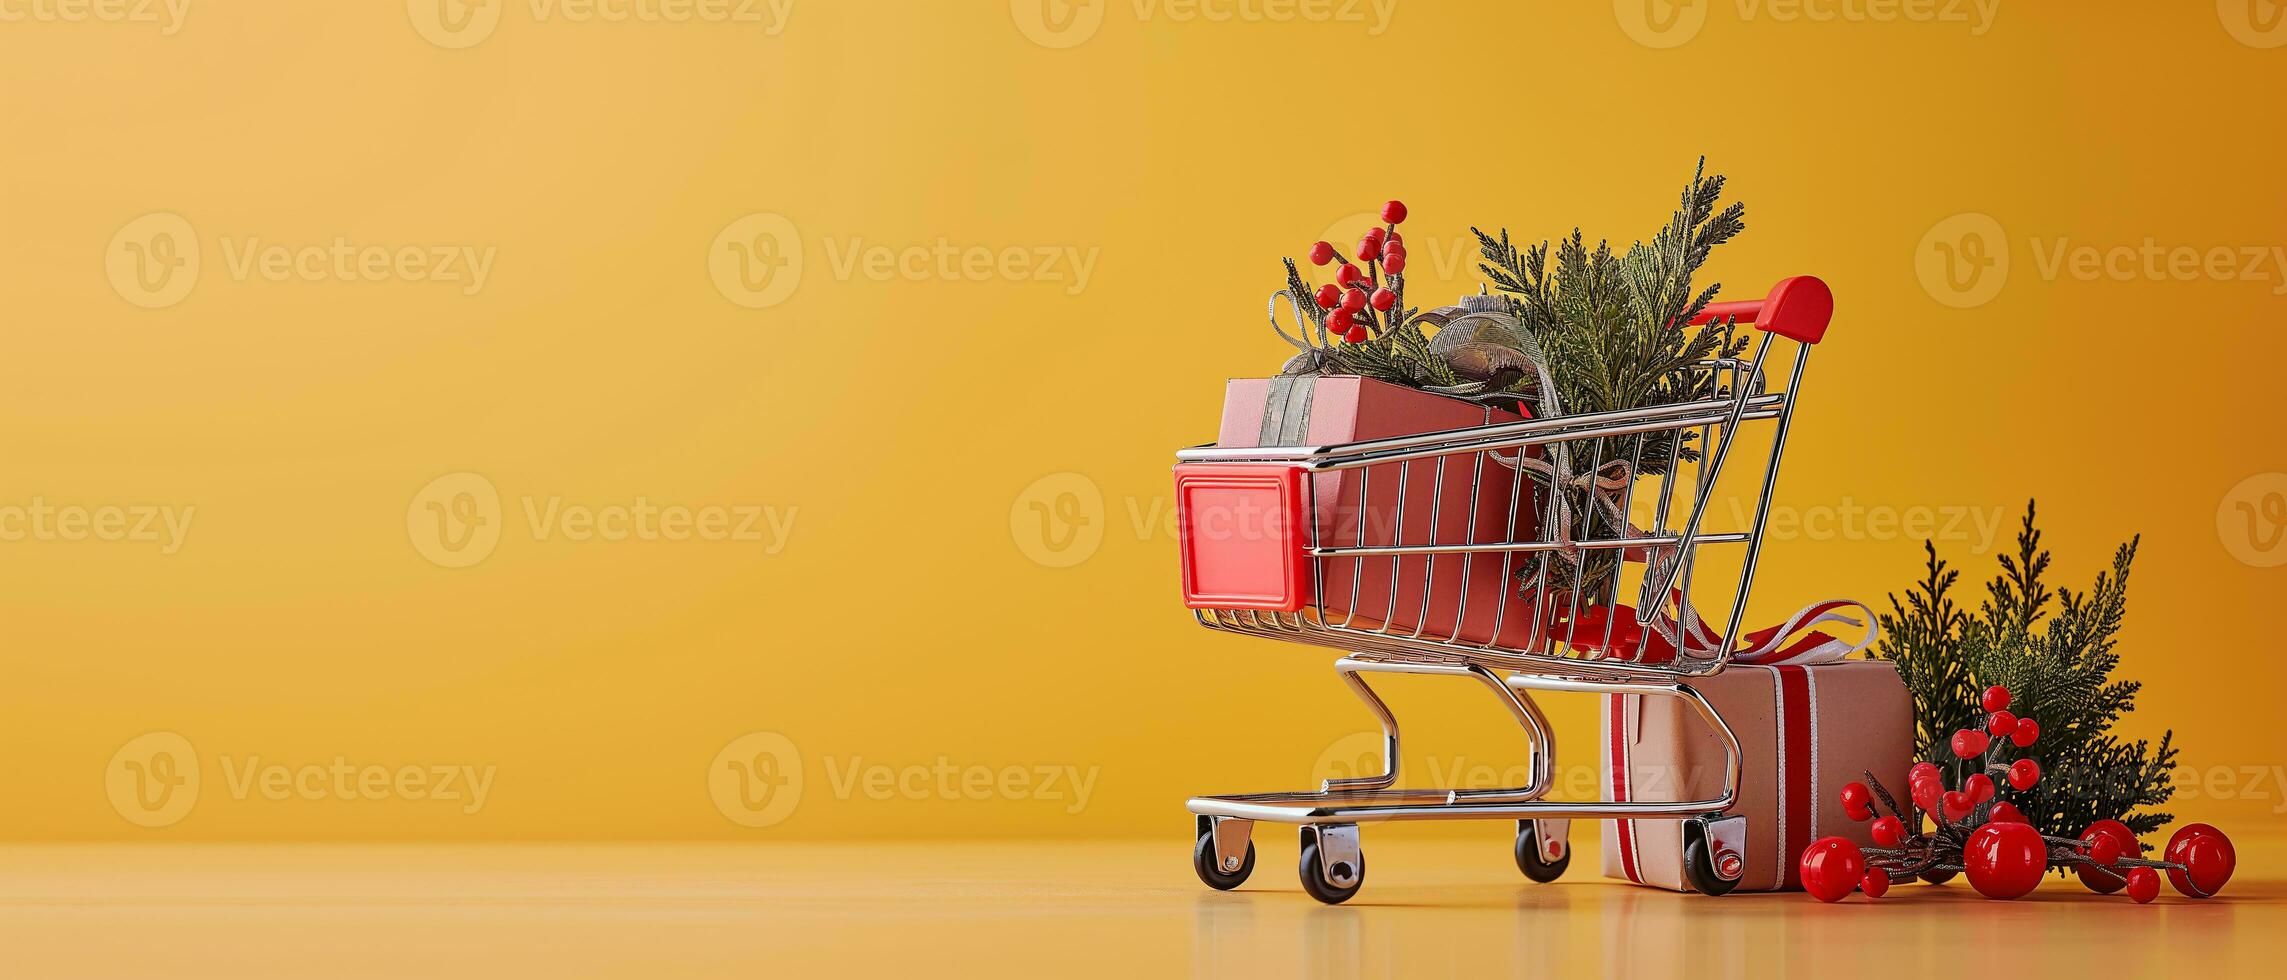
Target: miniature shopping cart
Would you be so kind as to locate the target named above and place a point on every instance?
(1543, 520)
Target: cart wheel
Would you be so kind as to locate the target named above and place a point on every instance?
(1529, 858)
(1699, 869)
(1203, 861)
(1937, 877)
(1314, 875)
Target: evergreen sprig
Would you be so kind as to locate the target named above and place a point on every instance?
(2057, 667)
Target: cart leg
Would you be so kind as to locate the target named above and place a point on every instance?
(1349, 669)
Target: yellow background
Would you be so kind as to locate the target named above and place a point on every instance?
(907, 419)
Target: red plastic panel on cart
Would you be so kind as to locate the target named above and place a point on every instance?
(1241, 528)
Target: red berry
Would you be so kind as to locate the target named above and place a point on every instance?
(1322, 253)
(1969, 743)
(1832, 868)
(1357, 335)
(1376, 234)
(1348, 274)
(1394, 212)
(1876, 883)
(2028, 732)
(2143, 885)
(2006, 812)
(1923, 770)
(1382, 300)
(2104, 850)
(1393, 238)
(1353, 300)
(1996, 698)
(1339, 321)
(1394, 263)
(1368, 250)
(1928, 793)
(2005, 860)
(1889, 832)
(1979, 787)
(2001, 725)
(1955, 804)
(2207, 857)
(2023, 773)
(1329, 295)
(1858, 801)
(2101, 880)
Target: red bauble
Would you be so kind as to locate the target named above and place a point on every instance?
(1394, 261)
(1922, 771)
(2005, 860)
(1832, 868)
(1329, 296)
(2104, 850)
(2001, 725)
(1369, 249)
(2208, 858)
(1357, 335)
(1979, 787)
(1382, 300)
(1928, 794)
(1348, 274)
(1955, 804)
(1876, 883)
(2143, 884)
(2028, 732)
(1353, 300)
(1322, 253)
(2023, 773)
(1888, 832)
(2005, 812)
(1340, 322)
(1996, 698)
(1857, 801)
(1394, 212)
(1969, 743)
(2122, 843)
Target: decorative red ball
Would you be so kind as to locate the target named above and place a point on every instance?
(1340, 321)
(1969, 743)
(2123, 844)
(1956, 805)
(1382, 300)
(1322, 253)
(1857, 801)
(2028, 732)
(1357, 335)
(1876, 883)
(1928, 793)
(2005, 860)
(1329, 295)
(1353, 300)
(2006, 812)
(2001, 725)
(2104, 850)
(2143, 885)
(1832, 868)
(1376, 234)
(1394, 212)
(2023, 773)
(1979, 787)
(1395, 263)
(1888, 832)
(1924, 770)
(1996, 698)
(2208, 860)
(1368, 249)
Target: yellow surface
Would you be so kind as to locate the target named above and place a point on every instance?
(953, 610)
(1429, 909)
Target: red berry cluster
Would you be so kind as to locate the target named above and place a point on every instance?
(1357, 297)
(1978, 833)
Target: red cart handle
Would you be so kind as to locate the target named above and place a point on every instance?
(1798, 308)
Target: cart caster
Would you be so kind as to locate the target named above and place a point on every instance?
(1714, 853)
(1217, 856)
(1543, 859)
(1332, 867)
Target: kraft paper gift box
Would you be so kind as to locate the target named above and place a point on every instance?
(1467, 500)
(1804, 731)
